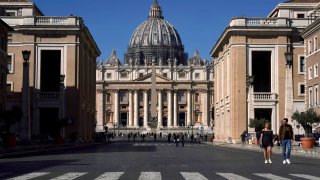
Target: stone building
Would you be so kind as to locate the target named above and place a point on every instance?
(312, 62)
(157, 86)
(259, 69)
(4, 29)
(61, 85)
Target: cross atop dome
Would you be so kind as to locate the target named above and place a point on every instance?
(155, 11)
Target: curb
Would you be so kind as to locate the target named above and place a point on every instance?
(297, 152)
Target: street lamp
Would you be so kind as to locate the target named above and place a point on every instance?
(26, 125)
(61, 96)
(289, 58)
(249, 83)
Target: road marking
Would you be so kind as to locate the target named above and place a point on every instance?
(72, 175)
(150, 176)
(30, 176)
(192, 176)
(231, 176)
(270, 176)
(306, 176)
(110, 176)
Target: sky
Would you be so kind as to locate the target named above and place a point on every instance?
(198, 22)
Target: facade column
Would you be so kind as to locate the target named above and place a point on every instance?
(25, 99)
(116, 107)
(189, 110)
(100, 116)
(159, 109)
(136, 109)
(130, 114)
(175, 109)
(169, 97)
(146, 107)
(205, 107)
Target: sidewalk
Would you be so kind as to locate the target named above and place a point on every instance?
(26, 150)
(296, 150)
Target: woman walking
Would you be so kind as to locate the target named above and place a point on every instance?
(266, 140)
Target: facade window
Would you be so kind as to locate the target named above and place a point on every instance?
(301, 65)
(310, 97)
(165, 75)
(109, 76)
(315, 44)
(301, 89)
(196, 97)
(124, 75)
(315, 70)
(316, 99)
(182, 74)
(10, 63)
(108, 97)
(310, 73)
(9, 87)
(197, 76)
(300, 16)
(140, 75)
(310, 47)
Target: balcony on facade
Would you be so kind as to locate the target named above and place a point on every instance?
(47, 98)
(269, 22)
(265, 97)
(43, 21)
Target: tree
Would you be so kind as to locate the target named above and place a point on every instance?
(306, 119)
(257, 124)
(9, 118)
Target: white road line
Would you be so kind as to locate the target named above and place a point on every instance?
(110, 176)
(270, 176)
(150, 176)
(193, 176)
(232, 176)
(70, 176)
(30, 176)
(306, 176)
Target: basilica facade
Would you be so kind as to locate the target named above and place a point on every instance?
(157, 86)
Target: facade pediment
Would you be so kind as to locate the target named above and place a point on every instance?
(148, 77)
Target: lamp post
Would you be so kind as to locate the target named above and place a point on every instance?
(249, 83)
(191, 129)
(26, 124)
(61, 97)
(289, 58)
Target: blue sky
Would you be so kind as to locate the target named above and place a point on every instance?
(199, 22)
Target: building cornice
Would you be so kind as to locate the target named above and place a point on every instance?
(311, 29)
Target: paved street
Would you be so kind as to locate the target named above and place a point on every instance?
(156, 160)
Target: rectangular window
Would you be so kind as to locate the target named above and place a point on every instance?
(301, 65)
(108, 75)
(316, 96)
(315, 70)
(10, 63)
(310, 72)
(310, 97)
(9, 87)
(182, 74)
(300, 16)
(315, 44)
(197, 76)
(310, 47)
(301, 89)
(123, 74)
(140, 75)
(165, 75)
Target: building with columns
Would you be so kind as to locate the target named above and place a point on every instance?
(157, 86)
(259, 66)
(56, 85)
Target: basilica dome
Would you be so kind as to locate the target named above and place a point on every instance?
(155, 41)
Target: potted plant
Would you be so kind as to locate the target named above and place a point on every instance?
(258, 125)
(9, 118)
(306, 119)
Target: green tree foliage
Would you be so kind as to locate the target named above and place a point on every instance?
(306, 119)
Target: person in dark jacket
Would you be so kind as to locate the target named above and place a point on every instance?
(286, 139)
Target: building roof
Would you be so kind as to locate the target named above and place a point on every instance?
(302, 1)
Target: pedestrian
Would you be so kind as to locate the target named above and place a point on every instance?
(192, 137)
(243, 137)
(169, 138)
(206, 137)
(177, 140)
(155, 137)
(266, 142)
(182, 139)
(286, 139)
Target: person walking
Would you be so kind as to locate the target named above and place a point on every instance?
(266, 142)
(169, 138)
(286, 139)
(182, 139)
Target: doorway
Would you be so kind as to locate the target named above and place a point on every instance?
(182, 119)
(124, 119)
(49, 122)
